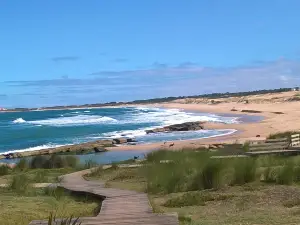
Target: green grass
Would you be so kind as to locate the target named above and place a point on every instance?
(263, 190)
(244, 171)
(286, 134)
(21, 209)
(4, 170)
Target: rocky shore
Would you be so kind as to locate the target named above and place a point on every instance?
(188, 126)
(101, 145)
(89, 147)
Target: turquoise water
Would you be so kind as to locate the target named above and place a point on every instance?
(36, 130)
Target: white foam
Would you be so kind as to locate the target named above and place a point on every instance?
(36, 148)
(73, 120)
(124, 133)
(87, 111)
(19, 120)
(165, 117)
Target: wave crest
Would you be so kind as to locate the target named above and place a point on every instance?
(19, 120)
(74, 120)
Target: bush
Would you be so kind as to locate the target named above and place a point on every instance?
(68, 221)
(286, 174)
(20, 184)
(39, 162)
(90, 164)
(187, 199)
(55, 192)
(244, 171)
(165, 178)
(22, 164)
(270, 175)
(40, 177)
(72, 161)
(54, 161)
(4, 170)
(210, 174)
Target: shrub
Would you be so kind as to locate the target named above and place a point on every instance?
(55, 192)
(68, 221)
(297, 174)
(4, 170)
(187, 199)
(39, 162)
(54, 161)
(210, 174)
(20, 184)
(72, 161)
(40, 176)
(286, 174)
(90, 164)
(270, 175)
(244, 171)
(166, 178)
(22, 164)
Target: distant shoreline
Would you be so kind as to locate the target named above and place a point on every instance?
(149, 101)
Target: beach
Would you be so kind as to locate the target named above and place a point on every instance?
(278, 113)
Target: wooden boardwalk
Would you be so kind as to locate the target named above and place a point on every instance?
(122, 207)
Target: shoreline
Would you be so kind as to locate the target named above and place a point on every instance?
(269, 118)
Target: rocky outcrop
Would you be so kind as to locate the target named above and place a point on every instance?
(89, 147)
(188, 126)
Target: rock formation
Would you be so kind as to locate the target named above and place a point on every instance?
(188, 126)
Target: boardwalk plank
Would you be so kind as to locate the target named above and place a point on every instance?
(122, 207)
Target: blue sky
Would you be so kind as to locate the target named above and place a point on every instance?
(75, 52)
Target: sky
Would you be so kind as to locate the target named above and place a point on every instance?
(57, 52)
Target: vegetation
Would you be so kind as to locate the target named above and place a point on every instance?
(68, 221)
(203, 190)
(23, 202)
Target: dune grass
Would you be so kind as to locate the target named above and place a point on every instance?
(215, 191)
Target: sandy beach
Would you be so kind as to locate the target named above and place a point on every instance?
(278, 112)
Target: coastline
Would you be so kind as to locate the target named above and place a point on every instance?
(270, 123)
(258, 120)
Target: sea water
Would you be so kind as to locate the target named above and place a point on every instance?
(35, 130)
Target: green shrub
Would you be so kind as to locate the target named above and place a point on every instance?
(4, 170)
(55, 192)
(54, 161)
(297, 174)
(286, 134)
(286, 174)
(68, 221)
(38, 162)
(22, 164)
(244, 171)
(40, 176)
(90, 164)
(270, 175)
(211, 173)
(187, 199)
(20, 184)
(72, 161)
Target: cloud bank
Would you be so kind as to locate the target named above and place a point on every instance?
(161, 80)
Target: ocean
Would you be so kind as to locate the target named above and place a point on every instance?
(24, 131)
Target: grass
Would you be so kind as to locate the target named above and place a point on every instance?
(244, 171)
(286, 134)
(68, 221)
(4, 170)
(20, 210)
(193, 199)
(201, 190)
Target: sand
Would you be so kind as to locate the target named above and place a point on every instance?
(267, 104)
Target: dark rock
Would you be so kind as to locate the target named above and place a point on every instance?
(119, 140)
(188, 126)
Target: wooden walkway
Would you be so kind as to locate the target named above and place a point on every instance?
(120, 207)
